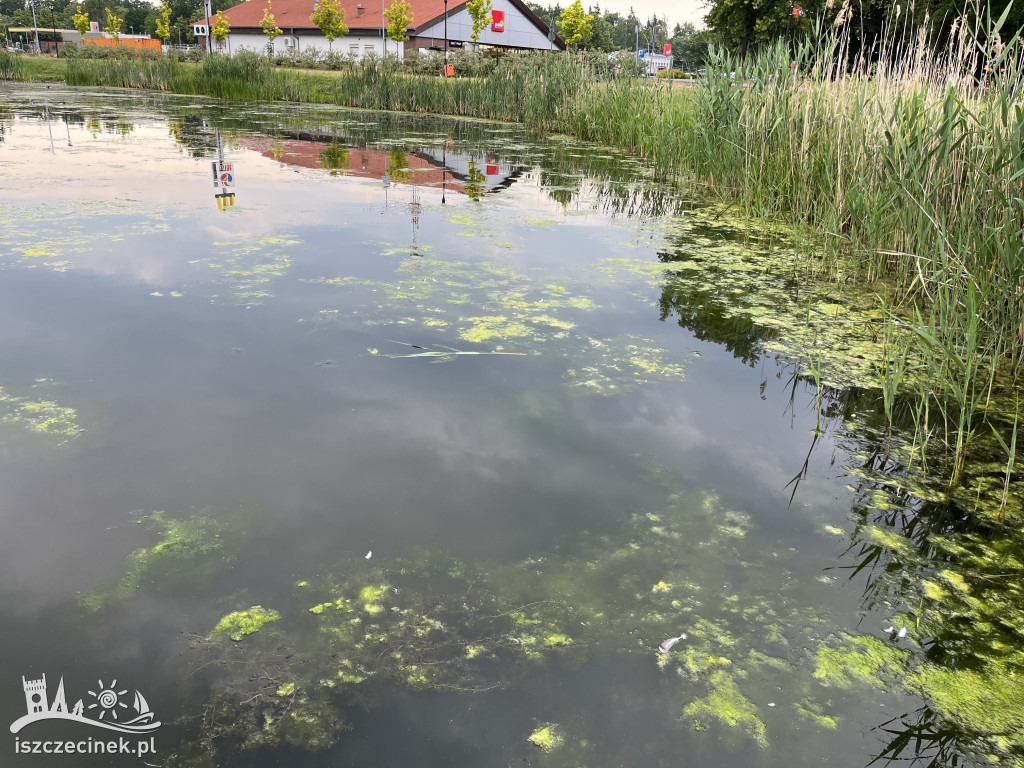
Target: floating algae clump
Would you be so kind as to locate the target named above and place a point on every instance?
(864, 660)
(989, 703)
(189, 548)
(39, 417)
(241, 623)
(726, 704)
(547, 737)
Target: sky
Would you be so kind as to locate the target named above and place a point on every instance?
(677, 11)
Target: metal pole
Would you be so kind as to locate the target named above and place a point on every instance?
(53, 23)
(383, 40)
(209, 39)
(35, 27)
(789, 21)
(445, 56)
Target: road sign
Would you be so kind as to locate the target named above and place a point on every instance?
(640, 53)
(668, 49)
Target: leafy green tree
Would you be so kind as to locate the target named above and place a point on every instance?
(601, 36)
(81, 21)
(114, 24)
(330, 18)
(479, 14)
(743, 23)
(270, 28)
(399, 17)
(574, 25)
(624, 31)
(221, 29)
(163, 23)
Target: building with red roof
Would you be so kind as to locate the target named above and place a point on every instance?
(513, 25)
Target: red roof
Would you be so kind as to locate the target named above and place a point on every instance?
(294, 14)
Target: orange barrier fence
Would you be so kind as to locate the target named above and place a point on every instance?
(129, 42)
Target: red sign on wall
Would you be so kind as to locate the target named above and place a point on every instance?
(497, 21)
(668, 50)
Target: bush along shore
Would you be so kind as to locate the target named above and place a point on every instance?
(905, 169)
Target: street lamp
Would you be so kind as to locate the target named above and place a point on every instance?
(53, 23)
(35, 27)
(131, 29)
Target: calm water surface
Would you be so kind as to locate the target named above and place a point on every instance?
(252, 369)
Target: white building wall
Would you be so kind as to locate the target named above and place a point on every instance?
(519, 32)
(355, 45)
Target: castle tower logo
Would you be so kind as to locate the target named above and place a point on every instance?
(106, 708)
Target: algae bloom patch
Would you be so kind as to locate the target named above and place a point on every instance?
(241, 623)
(547, 737)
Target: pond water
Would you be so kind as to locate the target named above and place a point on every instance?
(362, 439)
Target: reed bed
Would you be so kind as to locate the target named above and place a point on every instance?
(10, 65)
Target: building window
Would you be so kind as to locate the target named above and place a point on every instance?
(367, 49)
(353, 49)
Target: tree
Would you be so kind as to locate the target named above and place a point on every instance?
(574, 25)
(330, 17)
(163, 23)
(742, 23)
(114, 24)
(601, 37)
(81, 21)
(479, 14)
(270, 29)
(221, 29)
(399, 17)
(624, 31)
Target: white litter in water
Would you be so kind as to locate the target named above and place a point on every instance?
(902, 633)
(666, 645)
(369, 554)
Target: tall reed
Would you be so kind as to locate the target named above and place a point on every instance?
(10, 65)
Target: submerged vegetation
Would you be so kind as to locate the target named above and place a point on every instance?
(189, 551)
